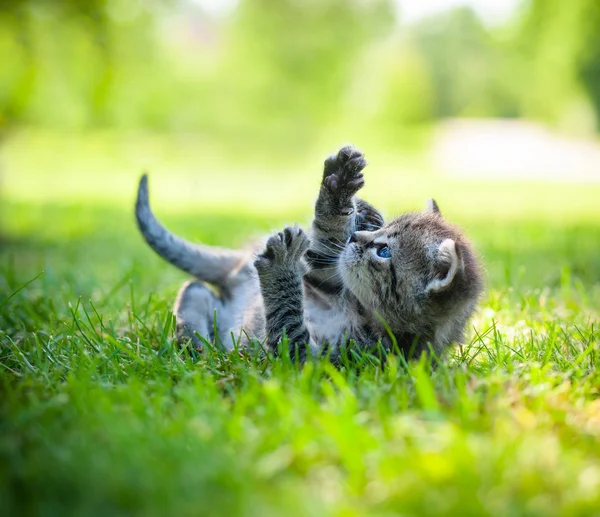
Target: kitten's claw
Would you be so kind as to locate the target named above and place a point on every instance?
(285, 248)
(342, 174)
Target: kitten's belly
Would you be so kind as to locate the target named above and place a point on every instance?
(327, 325)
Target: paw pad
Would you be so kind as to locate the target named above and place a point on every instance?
(284, 248)
(343, 173)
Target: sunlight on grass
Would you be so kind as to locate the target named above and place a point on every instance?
(186, 174)
(101, 413)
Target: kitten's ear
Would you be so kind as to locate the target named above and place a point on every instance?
(447, 263)
(432, 207)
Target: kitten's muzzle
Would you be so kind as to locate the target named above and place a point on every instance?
(362, 238)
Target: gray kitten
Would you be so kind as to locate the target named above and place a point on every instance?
(413, 281)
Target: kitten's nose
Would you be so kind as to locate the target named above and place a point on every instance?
(353, 238)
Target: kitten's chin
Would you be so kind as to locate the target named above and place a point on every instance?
(345, 266)
(349, 268)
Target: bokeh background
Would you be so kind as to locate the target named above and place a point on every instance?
(492, 107)
(93, 91)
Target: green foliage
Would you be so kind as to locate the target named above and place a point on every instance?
(458, 52)
(270, 71)
(291, 62)
(558, 64)
(291, 72)
(399, 89)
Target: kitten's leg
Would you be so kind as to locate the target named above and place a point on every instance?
(338, 213)
(280, 270)
(335, 210)
(194, 311)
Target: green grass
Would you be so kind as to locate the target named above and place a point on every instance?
(100, 414)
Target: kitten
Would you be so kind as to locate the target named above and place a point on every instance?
(414, 280)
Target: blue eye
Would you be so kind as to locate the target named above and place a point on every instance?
(384, 252)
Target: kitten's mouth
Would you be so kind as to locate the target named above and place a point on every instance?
(349, 266)
(351, 255)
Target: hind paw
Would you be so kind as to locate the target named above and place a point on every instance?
(285, 249)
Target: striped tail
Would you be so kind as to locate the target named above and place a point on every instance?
(211, 264)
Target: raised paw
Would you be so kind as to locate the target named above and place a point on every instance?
(284, 249)
(367, 217)
(342, 173)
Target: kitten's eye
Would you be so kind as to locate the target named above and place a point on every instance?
(384, 252)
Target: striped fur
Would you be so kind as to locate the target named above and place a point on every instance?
(324, 289)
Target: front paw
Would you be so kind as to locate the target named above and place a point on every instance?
(367, 217)
(342, 174)
(285, 250)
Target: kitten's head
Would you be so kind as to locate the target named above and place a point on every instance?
(418, 272)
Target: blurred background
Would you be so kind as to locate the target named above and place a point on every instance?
(491, 106)
(93, 91)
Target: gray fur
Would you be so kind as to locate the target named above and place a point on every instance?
(329, 287)
(432, 207)
(211, 264)
(429, 287)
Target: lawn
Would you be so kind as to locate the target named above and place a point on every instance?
(101, 414)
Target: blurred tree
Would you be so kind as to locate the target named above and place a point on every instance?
(560, 71)
(461, 59)
(399, 82)
(282, 68)
(589, 66)
(283, 71)
(290, 62)
(66, 62)
(18, 71)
